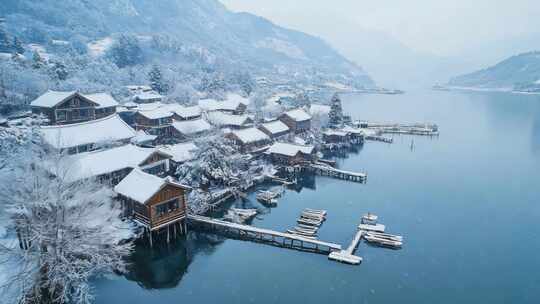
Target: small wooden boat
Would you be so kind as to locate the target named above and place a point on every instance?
(383, 242)
(245, 213)
(267, 197)
(309, 222)
(307, 227)
(370, 219)
(390, 237)
(306, 231)
(312, 217)
(322, 212)
(308, 213)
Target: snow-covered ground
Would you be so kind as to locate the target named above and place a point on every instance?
(99, 47)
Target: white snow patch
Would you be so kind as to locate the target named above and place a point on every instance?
(281, 46)
(99, 47)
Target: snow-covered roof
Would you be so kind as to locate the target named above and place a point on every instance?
(52, 98)
(188, 127)
(250, 135)
(319, 109)
(143, 137)
(157, 113)
(224, 119)
(140, 186)
(298, 115)
(352, 130)
(335, 133)
(184, 112)
(180, 152)
(276, 127)
(148, 96)
(103, 99)
(232, 103)
(289, 149)
(96, 163)
(110, 128)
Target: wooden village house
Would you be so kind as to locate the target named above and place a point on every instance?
(231, 121)
(89, 135)
(275, 129)
(188, 129)
(156, 121)
(112, 165)
(154, 202)
(297, 120)
(290, 154)
(73, 107)
(249, 140)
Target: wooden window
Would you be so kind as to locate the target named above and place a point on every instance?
(60, 115)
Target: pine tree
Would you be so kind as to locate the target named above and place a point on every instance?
(5, 44)
(156, 80)
(37, 61)
(17, 46)
(126, 51)
(336, 112)
(59, 71)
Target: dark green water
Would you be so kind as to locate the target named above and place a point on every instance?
(467, 203)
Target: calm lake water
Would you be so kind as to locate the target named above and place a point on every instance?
(467, 203)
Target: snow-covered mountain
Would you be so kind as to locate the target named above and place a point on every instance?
(520, 72)
(244, 38)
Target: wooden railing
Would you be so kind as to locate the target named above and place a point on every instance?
(168, 218)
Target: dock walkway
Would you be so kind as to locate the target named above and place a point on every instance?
(347, 255)
(325, 170)
(271, 237)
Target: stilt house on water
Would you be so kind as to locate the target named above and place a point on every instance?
(153, 201)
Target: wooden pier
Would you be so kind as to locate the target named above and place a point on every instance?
(266, 236)
(383, 139)
(347, 255)
(325, 170)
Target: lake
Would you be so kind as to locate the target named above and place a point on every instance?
(467, 203)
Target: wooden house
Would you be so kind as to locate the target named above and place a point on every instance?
(249, 140)
(156, 121)
(290, 154)
(182, 113)
(231, 121)
(180, 153)
(297, 120)
(275, 129)
(73, 107)
(233, 104)
(335, 136)
(147, 97)
(152, 201)
(89, 135)
(112, 165)
(188, 129)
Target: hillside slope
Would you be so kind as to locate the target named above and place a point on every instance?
(520, 72)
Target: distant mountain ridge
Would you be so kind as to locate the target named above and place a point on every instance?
(520, 72)
(238, 37)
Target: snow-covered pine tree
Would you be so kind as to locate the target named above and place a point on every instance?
(336, 112)
(37, 61)
(5, 43)
(17, 46)
(68, 232)
(126, 51)
(156, 80)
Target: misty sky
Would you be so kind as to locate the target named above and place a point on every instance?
(438, 27)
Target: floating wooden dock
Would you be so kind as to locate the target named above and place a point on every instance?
(266, 236)
(324, 170)
(347, 255)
